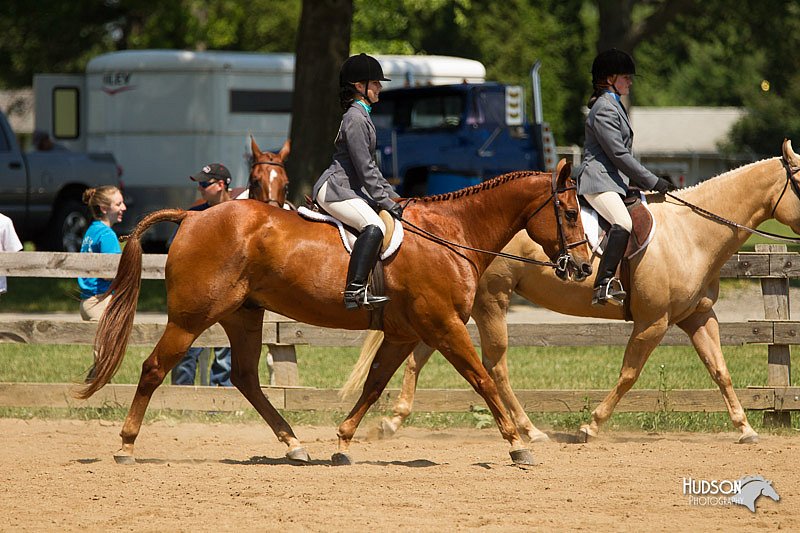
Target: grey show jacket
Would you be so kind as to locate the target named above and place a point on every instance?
(354, 172)
(608, 164)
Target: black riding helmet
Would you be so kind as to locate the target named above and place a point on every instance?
(611, 62)
(361, 68)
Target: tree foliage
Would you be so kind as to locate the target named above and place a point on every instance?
(713, 52)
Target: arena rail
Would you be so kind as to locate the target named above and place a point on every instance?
(770, 263)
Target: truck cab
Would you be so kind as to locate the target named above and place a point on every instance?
(436, 139)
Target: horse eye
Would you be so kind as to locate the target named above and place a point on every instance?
(572, 215)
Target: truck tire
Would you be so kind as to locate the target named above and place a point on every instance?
(66, 229)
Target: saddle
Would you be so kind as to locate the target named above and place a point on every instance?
(644, 228)
(392, 240)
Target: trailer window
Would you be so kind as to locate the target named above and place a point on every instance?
(66, 109)
(246, 101)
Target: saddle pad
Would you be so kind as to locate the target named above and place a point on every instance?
(594, 233)
(348, 239)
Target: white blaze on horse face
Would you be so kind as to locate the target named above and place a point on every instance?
(272, 176)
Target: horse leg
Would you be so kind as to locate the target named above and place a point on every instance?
(386, 362)
(489, 312)
(703, 330)
(243, 328)
(169, 350)
(641, 344)
(456, 346)
(405, 401)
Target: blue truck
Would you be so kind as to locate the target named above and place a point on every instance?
(437, 139)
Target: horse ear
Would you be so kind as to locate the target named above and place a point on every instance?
(788, 154)
(254, 148)
(564, 172)
(287, 147)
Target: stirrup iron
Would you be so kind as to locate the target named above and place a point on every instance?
(609, 291)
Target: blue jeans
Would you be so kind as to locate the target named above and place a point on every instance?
(185, 371)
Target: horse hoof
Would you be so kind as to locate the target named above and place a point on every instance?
(124, 459)
(341, 459)
(299, 455)
(585, 434)
(748, 438)
(523, 456)
(387, 429)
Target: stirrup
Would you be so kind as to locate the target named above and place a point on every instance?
(363, 298)
(609, 291)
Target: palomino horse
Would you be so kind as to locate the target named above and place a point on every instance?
(268, 180)
(268, 252)
(675, 281)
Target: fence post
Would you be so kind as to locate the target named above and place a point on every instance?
(776, 307)
(283, 371)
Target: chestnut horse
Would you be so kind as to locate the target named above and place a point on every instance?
(675, 281)
(268, 180)
(278, 261)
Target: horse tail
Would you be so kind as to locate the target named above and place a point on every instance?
(114, 328)
(359, 373)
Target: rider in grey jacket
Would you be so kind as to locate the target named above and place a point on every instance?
(608, 166)
(352, 188)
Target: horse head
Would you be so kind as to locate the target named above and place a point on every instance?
(570, 250)
(268, 180)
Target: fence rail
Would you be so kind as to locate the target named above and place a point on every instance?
(770, 263)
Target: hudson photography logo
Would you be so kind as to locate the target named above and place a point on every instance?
(726, 492)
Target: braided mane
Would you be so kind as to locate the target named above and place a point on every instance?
(474, 189)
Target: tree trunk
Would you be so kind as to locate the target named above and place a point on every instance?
(323, 43)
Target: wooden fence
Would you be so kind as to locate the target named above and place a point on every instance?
(770, 263)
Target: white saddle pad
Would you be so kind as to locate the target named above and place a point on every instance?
(348, 239)
(594, 233)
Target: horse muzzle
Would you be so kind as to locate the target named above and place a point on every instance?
(568, 268)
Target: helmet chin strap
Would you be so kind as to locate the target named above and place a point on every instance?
(362, 95)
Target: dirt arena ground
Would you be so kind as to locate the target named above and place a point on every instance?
(60, 475)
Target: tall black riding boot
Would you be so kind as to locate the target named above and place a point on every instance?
(362, 260)
(607, 288)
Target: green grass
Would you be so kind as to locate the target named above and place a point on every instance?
(669, 368)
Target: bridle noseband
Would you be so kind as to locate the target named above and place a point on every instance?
(269, 199)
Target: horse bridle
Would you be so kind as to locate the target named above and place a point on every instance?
(564, 258)
(790, 174)
(269, 199)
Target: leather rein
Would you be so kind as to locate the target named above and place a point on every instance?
(269, 199)
(563, 255)
(790, 174)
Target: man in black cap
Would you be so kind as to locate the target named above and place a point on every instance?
(212, 182)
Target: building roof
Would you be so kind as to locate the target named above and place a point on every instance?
(681, 129)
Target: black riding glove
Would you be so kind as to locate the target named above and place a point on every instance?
(396, 211)
(663, 186)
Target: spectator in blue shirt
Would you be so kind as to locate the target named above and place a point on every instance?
(107, 208)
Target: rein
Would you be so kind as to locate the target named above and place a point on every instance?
(560, 264)
(790, 173)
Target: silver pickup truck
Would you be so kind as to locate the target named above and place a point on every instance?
(41, 191)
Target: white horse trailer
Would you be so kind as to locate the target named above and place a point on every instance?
(166, 113)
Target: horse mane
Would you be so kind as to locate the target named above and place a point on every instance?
(712, 180)
(475, 189)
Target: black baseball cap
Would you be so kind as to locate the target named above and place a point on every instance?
(214, 171)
